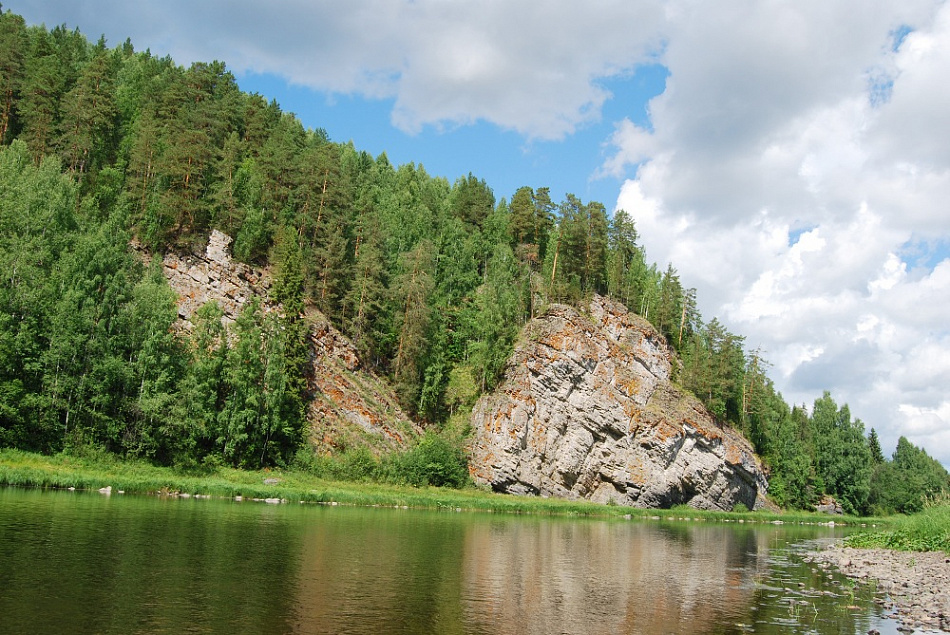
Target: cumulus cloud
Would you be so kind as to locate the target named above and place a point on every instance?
(796, 154)
(533, 67)
(918, 103)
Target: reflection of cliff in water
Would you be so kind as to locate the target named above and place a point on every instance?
(420, 572)
(407, 572)
(144, 564)
(598, 577)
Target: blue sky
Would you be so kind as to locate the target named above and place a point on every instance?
(789, 159)
(503, 157)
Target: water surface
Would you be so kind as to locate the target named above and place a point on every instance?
(86, 563)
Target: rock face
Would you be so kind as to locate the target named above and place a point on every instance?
(211, 276)
(351, 406)
(587, 410)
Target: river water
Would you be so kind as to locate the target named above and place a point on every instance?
(73, 562)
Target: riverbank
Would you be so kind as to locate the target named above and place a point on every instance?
(915, 585)
(113, 475)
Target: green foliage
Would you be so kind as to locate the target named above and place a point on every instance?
(431, 280)
(433, 461)
(926, 530)
(498, 318)
(714, 368)
(462, 389)
(13, 37)
(904, 484)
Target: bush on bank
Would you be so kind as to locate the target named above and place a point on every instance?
(928, 530)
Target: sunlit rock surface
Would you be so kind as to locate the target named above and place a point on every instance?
(587, 411)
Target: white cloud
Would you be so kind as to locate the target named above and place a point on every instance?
(534, 67)
(803, 124)
(919, 103)
(633, 143)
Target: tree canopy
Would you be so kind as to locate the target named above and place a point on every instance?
(432, 280)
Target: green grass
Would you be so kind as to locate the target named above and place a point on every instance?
(100, 470)
(928, 530)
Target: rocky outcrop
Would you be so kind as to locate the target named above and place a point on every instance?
(587, 410)
(350, 405)
(211, 275)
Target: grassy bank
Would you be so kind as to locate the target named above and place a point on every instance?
(928, 530)
(92, 473)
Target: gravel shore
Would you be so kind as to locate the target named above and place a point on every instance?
(916, 585)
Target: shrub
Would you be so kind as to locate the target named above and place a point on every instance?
(433, 461)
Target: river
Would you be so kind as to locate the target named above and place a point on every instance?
(75, 562)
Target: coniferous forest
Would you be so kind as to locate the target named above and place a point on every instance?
(432, 280)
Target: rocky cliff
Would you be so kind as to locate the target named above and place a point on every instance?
(351, 405)
(587, 410)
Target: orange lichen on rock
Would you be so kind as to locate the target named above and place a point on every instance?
(604, 420)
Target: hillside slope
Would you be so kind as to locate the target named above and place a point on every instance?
(349, 405)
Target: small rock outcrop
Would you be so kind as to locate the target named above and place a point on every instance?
(828, 505)
(587, 411)
(351, 406)
(212, 276)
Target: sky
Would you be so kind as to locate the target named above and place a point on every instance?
(790, 159)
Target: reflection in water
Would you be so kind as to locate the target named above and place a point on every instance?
(83, 563)
(552, 577)
(375, 571)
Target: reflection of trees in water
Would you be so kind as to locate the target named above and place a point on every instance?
(149, 565)
(381, 571)
(368, 571)
(136, 564)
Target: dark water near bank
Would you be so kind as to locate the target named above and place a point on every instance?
(86, 563)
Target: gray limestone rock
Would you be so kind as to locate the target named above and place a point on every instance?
(587, 410)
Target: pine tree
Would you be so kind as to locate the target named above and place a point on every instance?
(543, 219)
(241, 419)
(842, 456)
(472, 200)
(667, 317)
(594, 277)
(411, 290)
(13, 40)
(42, 87)
(522, 225)
(874, 445)
(498, 318)
(88, 114)
(622, 252)
(202, 392)
(365, 300)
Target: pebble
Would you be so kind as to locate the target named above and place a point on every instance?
(916, 582)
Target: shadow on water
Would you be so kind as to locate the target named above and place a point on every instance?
(86, 563)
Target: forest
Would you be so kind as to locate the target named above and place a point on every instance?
(432, 280)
